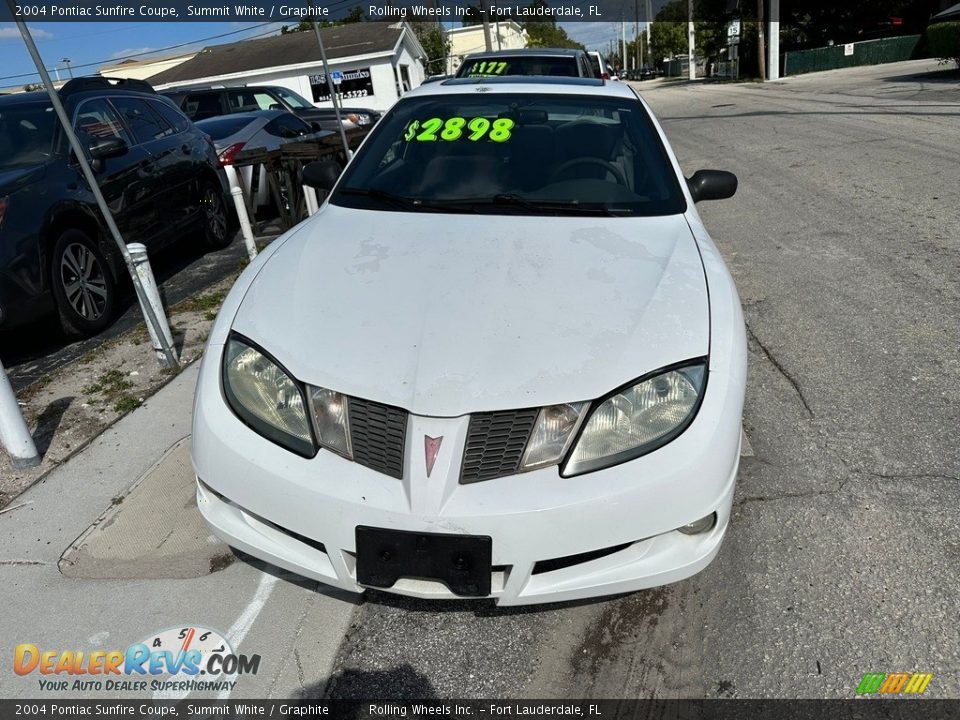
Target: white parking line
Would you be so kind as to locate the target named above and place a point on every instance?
(235, 635)
(238, 631)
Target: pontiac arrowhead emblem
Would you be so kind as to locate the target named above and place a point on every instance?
(431, 446)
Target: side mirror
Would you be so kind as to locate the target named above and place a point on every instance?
(321, 175)
(103, 148)
(712, 185)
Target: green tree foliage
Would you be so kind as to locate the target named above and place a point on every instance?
(541, 33)
(435, 44)
(944, 41)
(355, 15)
(710, 28)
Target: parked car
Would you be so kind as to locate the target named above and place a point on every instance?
(647, 73)
(504, 360)
(159, 174)
(526, 61)
(263, 129)
(203, 103)
(598, 64)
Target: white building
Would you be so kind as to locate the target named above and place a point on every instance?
(469, 39)
(379, 62)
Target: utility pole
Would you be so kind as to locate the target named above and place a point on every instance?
(691, 41)
(332, 89)
(485, 14)
(623, 44)
(648, 14)
(773, 41)
(638, 50)
(761, 50)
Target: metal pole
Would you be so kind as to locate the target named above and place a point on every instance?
(244, 219)
(773, 41)
(333, 94)
(485, 16)
(14, 433)
(691, 41)
(162, 330)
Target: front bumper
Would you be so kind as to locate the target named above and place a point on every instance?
(301, 514)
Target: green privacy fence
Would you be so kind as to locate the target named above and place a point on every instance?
(868, 52)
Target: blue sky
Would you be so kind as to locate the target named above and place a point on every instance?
(98, 43)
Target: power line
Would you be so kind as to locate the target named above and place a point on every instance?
(158, 50)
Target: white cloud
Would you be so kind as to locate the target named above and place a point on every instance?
(132, 51)
(11, 31)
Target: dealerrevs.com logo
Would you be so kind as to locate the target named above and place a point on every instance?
(170, 660)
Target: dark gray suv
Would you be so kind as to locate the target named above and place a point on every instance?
(159, 174)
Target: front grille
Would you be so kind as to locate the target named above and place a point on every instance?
(377, 434)
(495, 444)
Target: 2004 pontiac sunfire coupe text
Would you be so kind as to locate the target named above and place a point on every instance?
(503, 360)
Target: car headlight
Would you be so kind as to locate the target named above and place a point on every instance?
(639, 419)
(266, 397)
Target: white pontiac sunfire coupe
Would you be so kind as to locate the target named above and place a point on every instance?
(504, 360)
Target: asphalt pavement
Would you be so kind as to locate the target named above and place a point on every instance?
(842, 555)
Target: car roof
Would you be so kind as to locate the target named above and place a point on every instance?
(527, 84)
(536, 52)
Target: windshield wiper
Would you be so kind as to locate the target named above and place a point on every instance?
(398, 200)
(409, 203)
(558, 206)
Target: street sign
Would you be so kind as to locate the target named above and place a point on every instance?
(848, 49)
(336, 76)
(733, 31)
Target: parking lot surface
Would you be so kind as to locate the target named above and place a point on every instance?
(842, 555)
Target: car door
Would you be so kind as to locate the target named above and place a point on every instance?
(187, 162)
(127, 182)
(171, 174)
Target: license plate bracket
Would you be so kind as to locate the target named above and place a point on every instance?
(462, 562)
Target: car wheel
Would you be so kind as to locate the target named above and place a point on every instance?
(216, 224)
(83, 286)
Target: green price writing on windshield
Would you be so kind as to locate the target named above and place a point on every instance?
(456, 128)
(491, 67)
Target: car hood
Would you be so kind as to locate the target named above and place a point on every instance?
(14, 178)
(446, 315)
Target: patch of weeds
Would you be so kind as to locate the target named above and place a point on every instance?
(211, 316)
(112, 387)
(117, 500)
(210, 301)
(127, 403)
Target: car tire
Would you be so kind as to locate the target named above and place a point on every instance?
(82, 283)
(215, 217)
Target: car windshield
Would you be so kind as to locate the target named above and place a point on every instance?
(26, 134)
(557, 65)
(292, 99)
(224, 126)
(534, 154)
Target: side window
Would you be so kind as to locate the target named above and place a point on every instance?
(287, 127)
(96, 119)
(169, 113)
(144, 123)
(200, 106)
(244, 100)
